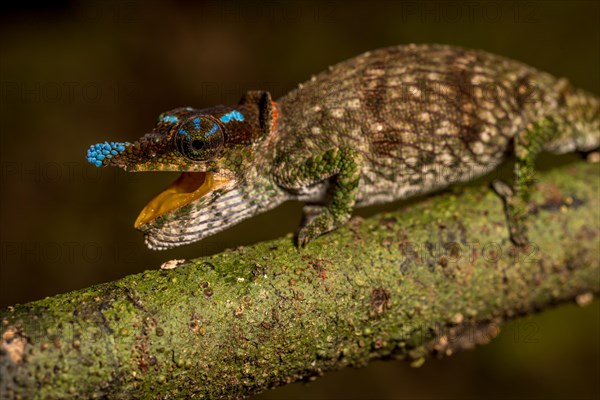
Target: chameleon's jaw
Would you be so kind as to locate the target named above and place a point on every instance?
(189, 187)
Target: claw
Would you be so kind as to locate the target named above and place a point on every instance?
(302, 238)
(516, 210)
(503, 189)
(316, 226)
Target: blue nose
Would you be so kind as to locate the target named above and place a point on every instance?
(98, 153)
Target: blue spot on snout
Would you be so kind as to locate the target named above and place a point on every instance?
(170, 119)
(97, 153)
(234, 115)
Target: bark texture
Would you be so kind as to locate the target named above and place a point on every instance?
(432, 278)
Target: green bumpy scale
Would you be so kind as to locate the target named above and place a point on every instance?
(339, 166)
(386, 125)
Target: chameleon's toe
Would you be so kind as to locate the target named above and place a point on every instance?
(315, 227)
(303, 238)
(516, 212)
(518, 235)
(503, 189)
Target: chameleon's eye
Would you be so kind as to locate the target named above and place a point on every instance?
(199, 138)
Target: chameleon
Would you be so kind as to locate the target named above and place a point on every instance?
(385, 125)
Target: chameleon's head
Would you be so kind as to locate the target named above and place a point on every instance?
(215, 149)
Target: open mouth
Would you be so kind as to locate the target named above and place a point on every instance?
(190, 186)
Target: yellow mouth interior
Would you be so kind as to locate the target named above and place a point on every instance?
(188, 187)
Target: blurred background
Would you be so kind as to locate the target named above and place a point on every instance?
(77, 73)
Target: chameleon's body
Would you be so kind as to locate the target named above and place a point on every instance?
(386, 125)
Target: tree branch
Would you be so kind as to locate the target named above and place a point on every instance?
(430, 279)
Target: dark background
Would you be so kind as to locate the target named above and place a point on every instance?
(73, 74)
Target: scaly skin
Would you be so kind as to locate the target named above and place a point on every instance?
(386, 125)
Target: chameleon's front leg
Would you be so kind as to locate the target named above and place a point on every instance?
(527, 145)
(342, 167)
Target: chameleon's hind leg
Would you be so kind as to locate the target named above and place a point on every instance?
(527, 145)
(341, 165)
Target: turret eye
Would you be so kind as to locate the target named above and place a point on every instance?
(197, 145)
(199, 138)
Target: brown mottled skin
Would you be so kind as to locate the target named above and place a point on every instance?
(385, 125)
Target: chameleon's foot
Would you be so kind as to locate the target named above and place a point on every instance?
(516, 210)
(317, 221)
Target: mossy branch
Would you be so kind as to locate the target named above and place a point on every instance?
(430, 279)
